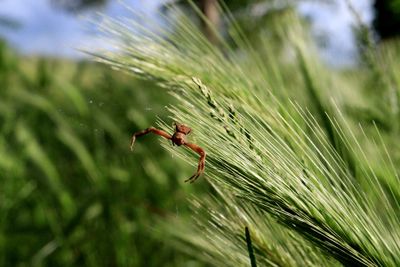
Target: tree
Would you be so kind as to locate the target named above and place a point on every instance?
(77, 5)
(387, 19)
(211, 11)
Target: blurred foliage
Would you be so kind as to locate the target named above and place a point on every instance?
(78, 5)
(8, 22)
(234, 5)
(72, 192)
(387, 18)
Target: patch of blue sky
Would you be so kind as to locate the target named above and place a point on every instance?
(45, 30)
(334, 23)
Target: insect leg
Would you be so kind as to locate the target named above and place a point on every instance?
(202, 161)
(149, 130)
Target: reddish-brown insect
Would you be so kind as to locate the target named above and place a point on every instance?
(178, 138)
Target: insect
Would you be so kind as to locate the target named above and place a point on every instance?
(178, 138)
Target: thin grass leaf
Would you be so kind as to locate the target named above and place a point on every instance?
(250, 248)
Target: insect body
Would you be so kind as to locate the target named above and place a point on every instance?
(178, 138)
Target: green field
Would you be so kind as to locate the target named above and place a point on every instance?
(304, 155)
(72, 191)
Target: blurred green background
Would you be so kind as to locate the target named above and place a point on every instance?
(72, 193)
